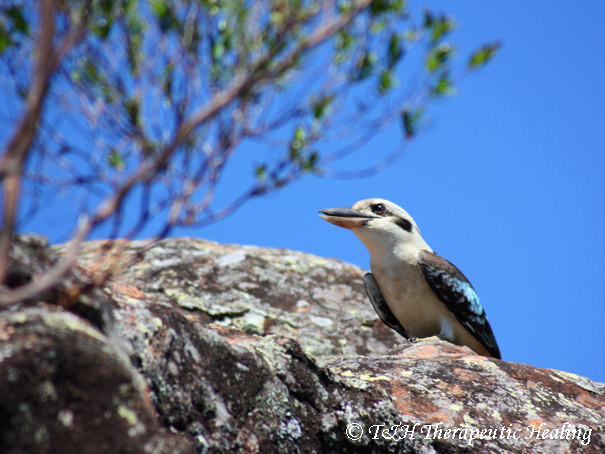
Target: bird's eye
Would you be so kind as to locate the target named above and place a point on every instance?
(379, 208)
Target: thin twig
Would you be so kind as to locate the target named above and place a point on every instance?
(148, 168)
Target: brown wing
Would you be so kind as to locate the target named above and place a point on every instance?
(380, 305)
(455, 291)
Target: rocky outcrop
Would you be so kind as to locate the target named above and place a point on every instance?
(68, 384)
(203, 347)
(319, 302)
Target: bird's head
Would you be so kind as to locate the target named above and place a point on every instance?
(377, 223)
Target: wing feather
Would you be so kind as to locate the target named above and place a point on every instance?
(380, 305)
(456, 292)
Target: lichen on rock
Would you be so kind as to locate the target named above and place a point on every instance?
(204, 347)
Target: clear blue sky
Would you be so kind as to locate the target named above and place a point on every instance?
(509, 184)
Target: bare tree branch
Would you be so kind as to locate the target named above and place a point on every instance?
(17, 150)
(148, 167)
(128, 121)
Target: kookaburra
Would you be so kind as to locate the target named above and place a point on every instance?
(413, 290)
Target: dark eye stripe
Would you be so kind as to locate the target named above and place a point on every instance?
(403, 223)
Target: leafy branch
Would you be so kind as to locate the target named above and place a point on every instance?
(149, 100)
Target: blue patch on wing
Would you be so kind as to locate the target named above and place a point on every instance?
(456, 292)
(462, 293)
(471, 297)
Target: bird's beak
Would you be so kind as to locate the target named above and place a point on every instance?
(346, 217)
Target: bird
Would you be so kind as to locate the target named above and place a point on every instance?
(413, 290)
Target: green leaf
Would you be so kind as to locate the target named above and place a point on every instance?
(5, 39)
(166, 79)
(378, 25)
(441, 26)
(483, 55)
(300, 134)
(134, 28)
(218, 50)
(444, 86)
(344, 6)
(260, 172)
(438, 56)
(311, 162)
(322, 106)
(162, 9)
(410, 119)
(133, 109)
(159, 7)
(116, 160)
(87, 73)
(365, 65)
(395, 49)
(18, 19)
(344, 41)
(387, 81)
(102, 29)
(104, 20)
(428, 19)
(297, 143)
(382, 6)
(411, 34)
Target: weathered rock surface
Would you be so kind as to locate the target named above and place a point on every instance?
(209, 348)
(319, 302)
(67, 383)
